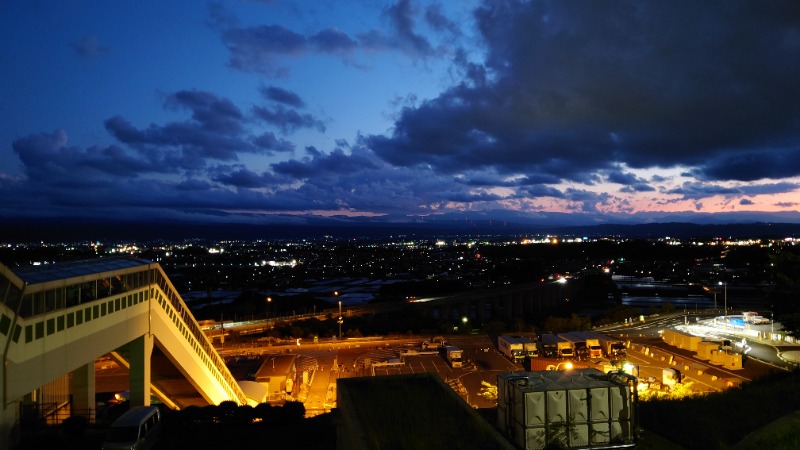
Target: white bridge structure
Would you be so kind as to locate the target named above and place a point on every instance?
(57, 319)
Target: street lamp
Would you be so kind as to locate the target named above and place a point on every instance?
(340, 320)
(725, 316)
(771, 323)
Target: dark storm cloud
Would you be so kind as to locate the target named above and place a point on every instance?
(619, 177)
(586, 201)
(212, 113)
(637, 187)
(631, 183)
(241, 177)
(537, 178)
(268, 141)
(695, 190)
(770, 188)
(260, 48)
(48, 159)
(439, 22)
(489, 179)
(751, 165)
(192, 139)
(216, 131)
(336, 163)
(359, 181)
(253, 49)
(401, 17)
(573, 88)
(333, 41)
(288, 120)
(284, 96)
(467, 197)
(542, 191)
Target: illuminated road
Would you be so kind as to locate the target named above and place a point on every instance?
(760, 357)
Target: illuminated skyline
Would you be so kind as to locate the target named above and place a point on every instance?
(253, 111)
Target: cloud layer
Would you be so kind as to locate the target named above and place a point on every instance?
(550, 106)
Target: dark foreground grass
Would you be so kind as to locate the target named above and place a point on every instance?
(721, 420)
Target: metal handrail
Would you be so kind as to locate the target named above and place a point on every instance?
(171, 295)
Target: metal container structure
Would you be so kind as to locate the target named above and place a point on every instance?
(576, 409)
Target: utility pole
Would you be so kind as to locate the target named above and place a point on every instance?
(340, 320)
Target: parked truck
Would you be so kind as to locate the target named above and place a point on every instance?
(614, 348)
(593, 343)
(530, 347)
(454, 356)
(595, 349)
(549, 345)
(565, 348)
(513, 347)
(578, 341)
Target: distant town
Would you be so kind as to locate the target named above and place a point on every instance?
(230, 279)
(307, 318)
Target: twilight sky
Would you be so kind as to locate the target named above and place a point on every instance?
(254, 110)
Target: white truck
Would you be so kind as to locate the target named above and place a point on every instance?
(512, 347)
(566, 349)
(530, 347)
(595, 349)
(614, 348)
(578, 341)
(593, 344)
(454, 356)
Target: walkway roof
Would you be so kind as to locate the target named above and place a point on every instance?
(64, 270)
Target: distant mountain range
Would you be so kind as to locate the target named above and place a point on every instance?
(500, 223)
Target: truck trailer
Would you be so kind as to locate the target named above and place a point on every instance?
(575, 409)
(512, 347)
(565, 348)
(549, 345)
(530, 347)
(613, 347)
(454, 356)
(578, 341)
(593, 343)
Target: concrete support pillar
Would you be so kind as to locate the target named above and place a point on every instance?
(141, 351)
(83, 390)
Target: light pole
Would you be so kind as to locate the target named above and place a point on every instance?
(771, 323)
(725, 316)
(340, 320)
